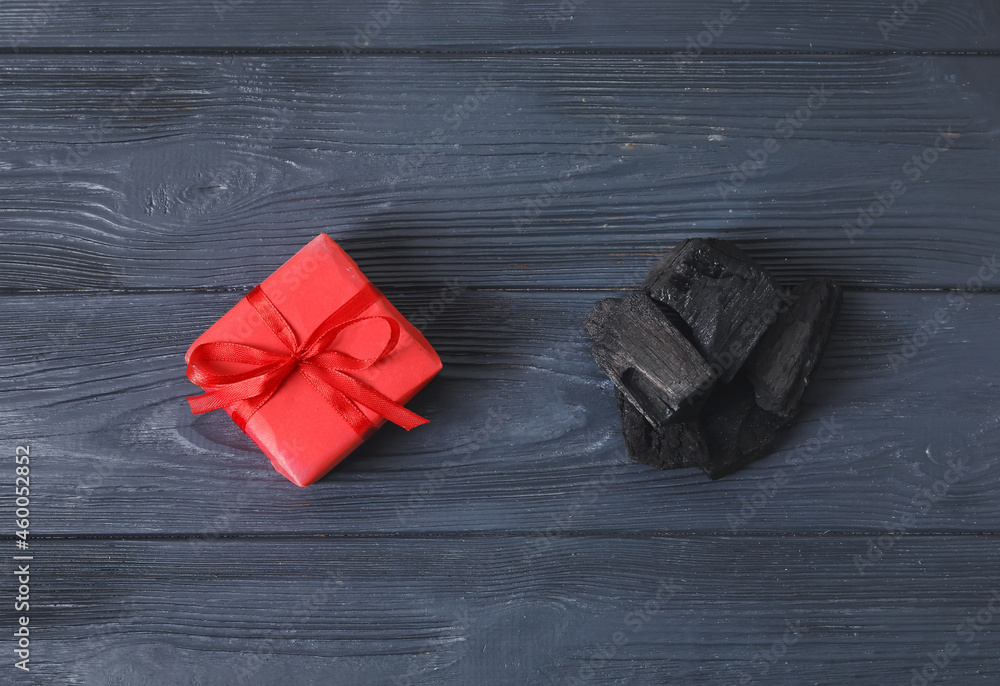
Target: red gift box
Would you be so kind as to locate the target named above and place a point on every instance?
(311, 362)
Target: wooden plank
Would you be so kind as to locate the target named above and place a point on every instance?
(203, 175)
(523, 424)
(706, 609)
(633, 25)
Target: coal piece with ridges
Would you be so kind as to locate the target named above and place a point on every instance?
(786, 355)
(726, 299)
(712, 359)
(646, 357)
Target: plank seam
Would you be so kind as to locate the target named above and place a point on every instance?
(338, 52)
(475, 289)
(402, 535)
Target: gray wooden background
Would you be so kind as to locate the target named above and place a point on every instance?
(496, 167)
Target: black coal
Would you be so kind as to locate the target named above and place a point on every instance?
(711, 358)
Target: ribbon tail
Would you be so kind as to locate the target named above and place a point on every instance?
(213, 400)
(202, 403)
(242, 412)
(248, 396)
(372, 399)
(355, 391)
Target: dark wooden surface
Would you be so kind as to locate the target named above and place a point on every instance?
(485, 25)
(496, 168)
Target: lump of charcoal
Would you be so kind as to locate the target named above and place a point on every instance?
(785, 356)
(653, 365)
(723, 296)
(737, 430)
(712, 359)
(677, 444)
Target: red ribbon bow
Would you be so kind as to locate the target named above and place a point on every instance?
(325, 370)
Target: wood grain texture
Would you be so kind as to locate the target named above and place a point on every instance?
(497, 167)
(523, 427)
(347, 26)
(573, 172)
(428, 610)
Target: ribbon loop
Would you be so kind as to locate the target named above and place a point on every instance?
(324, 369)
